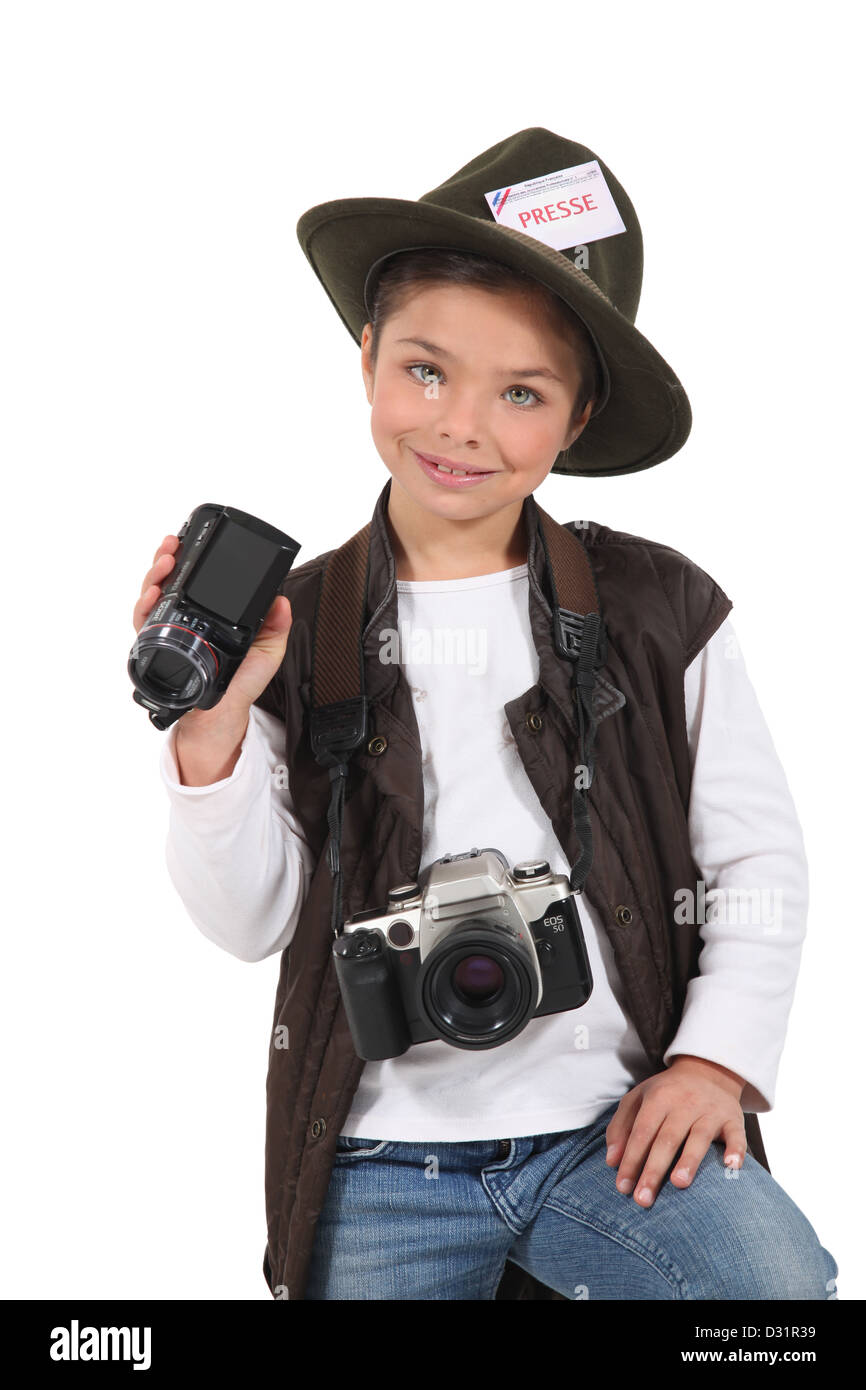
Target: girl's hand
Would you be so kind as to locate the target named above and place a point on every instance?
(692, 1100)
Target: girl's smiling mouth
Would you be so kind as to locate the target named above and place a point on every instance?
(450, 475)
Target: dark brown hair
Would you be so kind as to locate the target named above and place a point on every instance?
(409, 270)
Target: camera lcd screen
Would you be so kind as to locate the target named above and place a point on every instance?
(231, 571)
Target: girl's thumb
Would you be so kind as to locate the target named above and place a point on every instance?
(274, 631)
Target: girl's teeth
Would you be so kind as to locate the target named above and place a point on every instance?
(458, 472)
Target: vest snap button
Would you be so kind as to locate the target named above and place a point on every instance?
(317, 1128)
(377, 745)
(623, 915)
(534, 720)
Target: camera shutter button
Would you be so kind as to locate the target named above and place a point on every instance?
(402, 892)
(530, 869)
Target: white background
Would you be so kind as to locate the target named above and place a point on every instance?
(165, 342)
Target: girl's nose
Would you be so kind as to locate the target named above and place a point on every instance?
(459, 418)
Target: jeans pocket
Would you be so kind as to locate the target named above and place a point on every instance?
(350, 1146)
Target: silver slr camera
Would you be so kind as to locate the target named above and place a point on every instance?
(468, 955)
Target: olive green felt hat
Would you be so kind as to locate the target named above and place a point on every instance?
(643, 416)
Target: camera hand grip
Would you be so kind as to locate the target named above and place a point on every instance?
(371, 996)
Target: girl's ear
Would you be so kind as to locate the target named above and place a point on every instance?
(366, 361)
(580, 426)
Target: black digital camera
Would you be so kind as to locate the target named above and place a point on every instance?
(227, 571)
(469, 958)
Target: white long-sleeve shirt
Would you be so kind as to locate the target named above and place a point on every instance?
(236, 856)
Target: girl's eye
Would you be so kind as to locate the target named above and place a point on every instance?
(526, 392)
(424, 367)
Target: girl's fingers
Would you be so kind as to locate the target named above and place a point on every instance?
(734, 1135)
(144, 605)
(157, 572)
(163, 563)
(618, 1130)
(664, 1150)
(694, 1151)
(167, 541)
(644, 1132)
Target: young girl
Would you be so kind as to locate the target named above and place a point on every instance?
(606, 1152)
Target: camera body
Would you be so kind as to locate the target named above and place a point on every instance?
(467, 956)
(227, 571)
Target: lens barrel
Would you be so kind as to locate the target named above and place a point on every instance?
(172, 666)
(478, 987)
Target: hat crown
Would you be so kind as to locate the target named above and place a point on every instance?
(613, 263)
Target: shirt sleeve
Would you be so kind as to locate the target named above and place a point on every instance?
(751, 907)
(235, 851)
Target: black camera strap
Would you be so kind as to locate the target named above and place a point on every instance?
(579, 636)
(338, 716)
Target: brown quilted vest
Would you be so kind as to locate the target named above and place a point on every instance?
(659, 610)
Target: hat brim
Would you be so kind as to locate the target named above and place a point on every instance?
(646, 417)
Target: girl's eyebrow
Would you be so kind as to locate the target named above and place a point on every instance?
(437, 351)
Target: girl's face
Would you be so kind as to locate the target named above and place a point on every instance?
(481, 381)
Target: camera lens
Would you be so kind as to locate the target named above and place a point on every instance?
(480, 986)
(169, 672)
(478, 979)
(171, 665)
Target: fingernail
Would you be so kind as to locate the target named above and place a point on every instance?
(645, 1195)
(611, 1150)
(682, 1173)
(625, 1185)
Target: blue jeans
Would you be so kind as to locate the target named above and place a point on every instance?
(437, 1220)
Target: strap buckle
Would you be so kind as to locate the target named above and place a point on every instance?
(337, 730)
(581, 638)
(568, 633)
